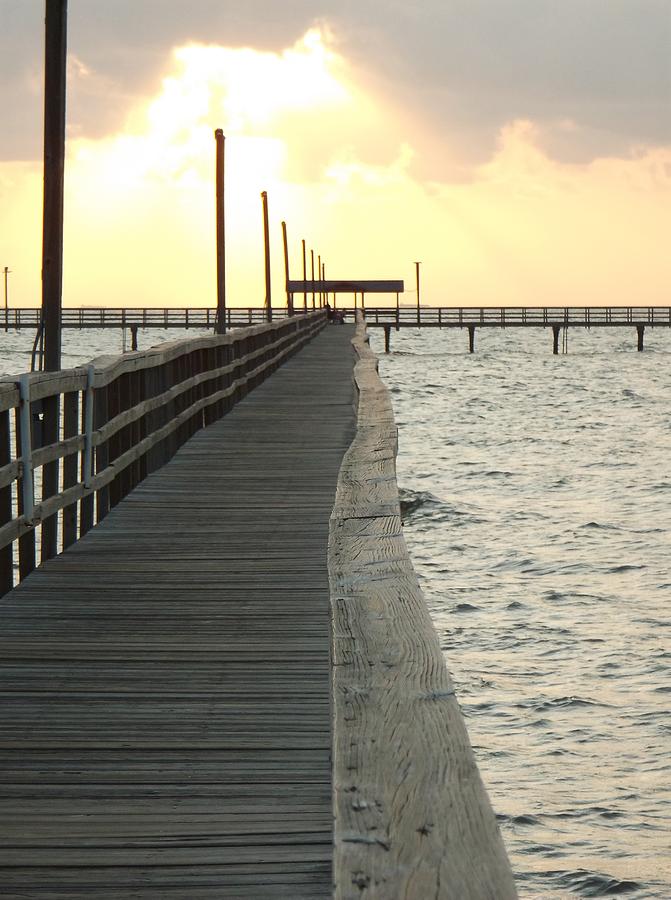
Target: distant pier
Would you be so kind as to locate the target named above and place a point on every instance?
(557, 319)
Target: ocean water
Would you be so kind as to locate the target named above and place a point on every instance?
(537, 509)
(536, 492)
(81, 346)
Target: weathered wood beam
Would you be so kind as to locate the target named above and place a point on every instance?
(412, 817)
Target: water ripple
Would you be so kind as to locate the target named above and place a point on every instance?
(536, 507)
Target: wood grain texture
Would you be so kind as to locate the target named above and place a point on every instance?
(412, 818)
(165, 727)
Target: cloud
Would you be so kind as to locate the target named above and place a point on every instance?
(460, 69)
(341, 167)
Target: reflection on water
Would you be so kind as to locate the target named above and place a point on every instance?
(536, 495)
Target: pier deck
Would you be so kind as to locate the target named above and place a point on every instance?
(165, 682)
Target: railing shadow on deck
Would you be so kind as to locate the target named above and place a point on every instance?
(412, 818)
(94, 432)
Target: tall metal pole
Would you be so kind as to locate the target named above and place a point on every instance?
(290, 297)
(305, 278)
(6, 300)
(54, 167)
(220, 327)
(417, 280)
(312, 269)
(266, 242)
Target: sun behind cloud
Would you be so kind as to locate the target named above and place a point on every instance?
(341, 167)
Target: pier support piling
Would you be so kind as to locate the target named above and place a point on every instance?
(387, 338)
(640, 330)
(133, 337)
(555, 339)
(471, 338)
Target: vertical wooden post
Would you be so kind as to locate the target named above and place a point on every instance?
(319, 277)
(100, 418)
(640, 329)
(86, 465)
(312, 275)
(471, 338)
(221, 235)
(24, 490)
(387, 338)
(419, 318)
(555, 339)
(305, 278)
(398, 312)
(50, 475)
(54, 166)
(6, 553)
(133, 337)
(290, 297)
(70, 429)
(266, 242)
(325, 296)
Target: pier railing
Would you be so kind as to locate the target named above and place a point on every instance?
(143, 317)
(412, 818)
(73, 443)
(516, 316)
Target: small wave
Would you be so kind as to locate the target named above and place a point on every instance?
(465, 608)
(593, 884)
(631, 395)
(600, 526)
(412, 501)
(416, 504)
(618, 570)
(560, 703)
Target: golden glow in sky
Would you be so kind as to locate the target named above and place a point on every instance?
(342, 164)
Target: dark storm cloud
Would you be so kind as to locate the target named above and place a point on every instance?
(463, 67)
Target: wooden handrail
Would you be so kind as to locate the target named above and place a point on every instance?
(412, 818)
(124, 416)
(522, 316)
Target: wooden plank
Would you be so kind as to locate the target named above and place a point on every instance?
(412, 818)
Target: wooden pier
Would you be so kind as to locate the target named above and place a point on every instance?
(187, 690)
(556, 318)
(165, 682)
(173, 317)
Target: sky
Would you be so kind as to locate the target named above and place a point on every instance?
(519, 149)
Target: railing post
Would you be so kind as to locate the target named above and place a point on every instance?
(87, 503)
(50, 474)
(25, 497)
(7, 552)
(70, 429)
(27, 487)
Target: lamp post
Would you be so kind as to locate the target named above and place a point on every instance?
(7, 272)
(305, 278)
(419, 321)
(220, 232)
(266, 242)
(312, 275)
(290, 297)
